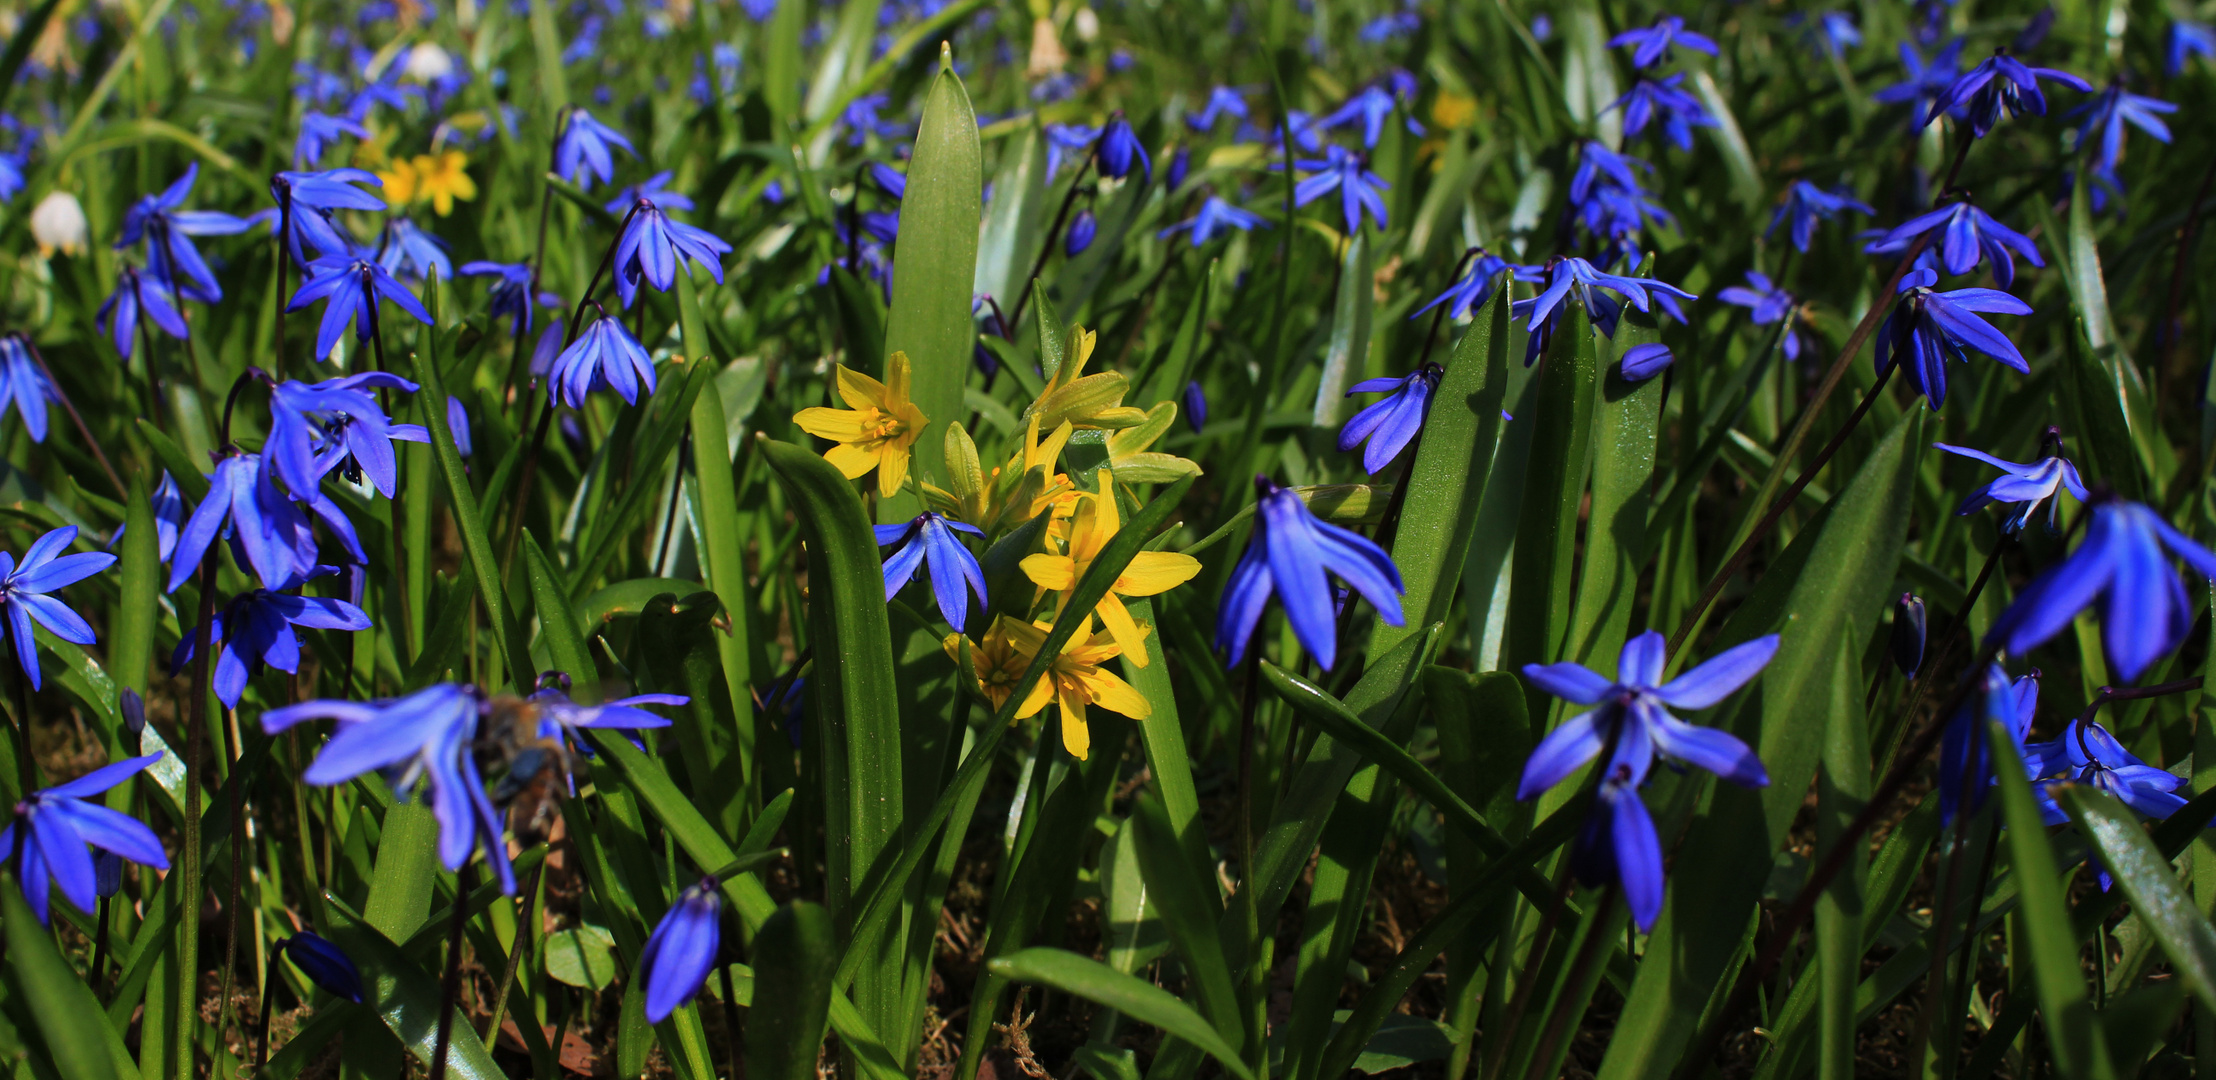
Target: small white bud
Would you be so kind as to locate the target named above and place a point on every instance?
(58, 222)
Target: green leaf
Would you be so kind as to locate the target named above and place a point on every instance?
(584, 957)
(667, 418)
(69, 1020)
(1185, 896)
(1348, 349)
(191, 482)
(546, 45)
(1016, 220)
(677, 639)
(935, 266)
(1554, 489)
(1842, 789)
(584, 202)
(861, 316)
(565, 643)
(1447, 481)
(1731, 142)
(1624, 435)
(131, 646)
(1127, 994)
(794, 952)
(406, 997)
(2151, 883)
(722, 539)
(1163, 734)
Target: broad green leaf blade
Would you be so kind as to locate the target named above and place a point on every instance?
(720, 524)
(1164, 735)
(1348, 351)
(565, 643)
(1554, 489)
(2073, 1032)
(1186, 897)
(406, 997)
(1842, 789)
(1624, 437)
(795, 951)
(69, 1019)
(2151, 883)
(935, 266)
(131, 648)
(1017, 218)
(1127, 994)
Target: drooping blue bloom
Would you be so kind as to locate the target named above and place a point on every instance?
(386, 90)
(1196, 406)
(308, 199)
(1925, 82)
(1181, 162)
(457, 424)
(1806, 204)
(1215, 216)
(168, 234)
(412, 253)
(2088, 754)
(1570, 277)
(2144, 609)
(1474, 287)
(1222, 101)
(2035, 31)
(317, 132)
(2108, 113)
(1119, 148)
(650, 188)
(511, 295)
(255, 630)
(860, 119)
(1906, 642)
(61, 821)
(1652, 44)
(1081, 231)
(137, 293)
(1289, 557)
(929, 541)
(1652, 99)
(336, 423)
(424, 736)
(889, 180)
(1634, 722)
(1597, 165)
(1063, 139)
(605, 356)
(682, 950)
(1767, 304)
(1967, 235)
(2001, 86)
(585, 150)
(1965, 757)
(325, 965)
(1928, 328)
(652, 246)
(1643, 362)
(351, 286)
(2184, 40)
(272, 531)
(24, 587)
(1371, 105)
(1391, 424)
(1349, 174)
(12, 165)
(1830, 33)
(2024, 486)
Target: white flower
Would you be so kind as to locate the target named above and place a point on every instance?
(429, 63)
(58, 222)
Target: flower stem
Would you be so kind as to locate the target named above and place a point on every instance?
(515, 956)
(450, 985)
(1053, 233)
(187, 971)
(231, 782)
(74, 418)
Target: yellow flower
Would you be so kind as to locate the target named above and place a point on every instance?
(444, 178)
(1075, 681)
(995, 659)
(1020, 489)
(400, 182)
(1129, 456)
(1086, 401)
(877, 429)
(1149, 573)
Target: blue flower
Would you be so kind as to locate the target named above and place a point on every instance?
(1474, 287)
(11, 175)
(317, 132)
(1906, 642)
(1196, 406)
(1081, 232)
(1643, 362)
(1806, 204)
(1222, 101)
(1290, 555)
(457, 424)
(1349, 174)
(652, 246)
(2186, 39)
(2025, 486)
(24, 385)
(351, 285)
(316, 428)
(1391, 424)
(1767, 304)
(60, 821)
(23, 589)
(861, 121)
(1633, 723)
(2144, 610)
(272, 532)
(1389, 26)
(410, 252)
(1571, 276)
(1830, 33)
(1967, 236)
(255, 630)
(605, 356)
(1597, 164)
(2088, 754)
(560, 719)
(1119, 147)
(2110, 111)
(1928, 328)
(138, 292)
(759, 10)
(424, 736)
(1651, 99)
(1065, 138)
(586, 149)
(1215, 216)
(1965, 761)
(1181, 162)
(651, 188)
(168, 232)
(1371, 106)
(308, 198)
(511, 295)
(325, 965)
(682, 950)
(1925, 82)
(889, 180)
(929, 541)
(1653, 43)
(2001, 86)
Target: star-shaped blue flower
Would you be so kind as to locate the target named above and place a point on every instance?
(2001, 86)
(511, 296)
(1348, 174)
(2106, 116)
(2120, 565)
(652, 246)
(1967, 236)
(314, 428)
(138, 292)
(1571, 277)
(1927, 328)
(1806, 204)
(1215, 216)
(929, 541)
(351, 286)
(410, 252)
(1965, 757)
(682, 950)
(1766, 304)
(168, 234)
(308, 199)
(1222, 101)
(605, 356)
(1651, 44)
(59, 822)
(652, 188)
(2184, 40)
(1650, 100)
(1391, 424)
(2025, 487)
(1925, 82)
(24, 587)
(272, 531)
(586, 148)
(2088, 754)
(255, 630)
(1372, 105)
(1289, 557)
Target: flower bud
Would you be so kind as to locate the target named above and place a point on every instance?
(1908, 634)
(1081, 233)
(58, 223)
(325, 965)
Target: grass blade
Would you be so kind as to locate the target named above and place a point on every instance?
(1127, 994)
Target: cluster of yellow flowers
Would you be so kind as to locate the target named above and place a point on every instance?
(439, 179)
(878, 430)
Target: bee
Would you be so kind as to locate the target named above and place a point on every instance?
(524, 750)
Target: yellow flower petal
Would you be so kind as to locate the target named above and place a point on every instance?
(1129, 639)
(896, 377)
(1116, 695)
(860, 392)
(1041, 693)
(1055, 572)
(1155, 572)
(837, 425)
(854, 462)
(892, 468)
(1077, 736)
